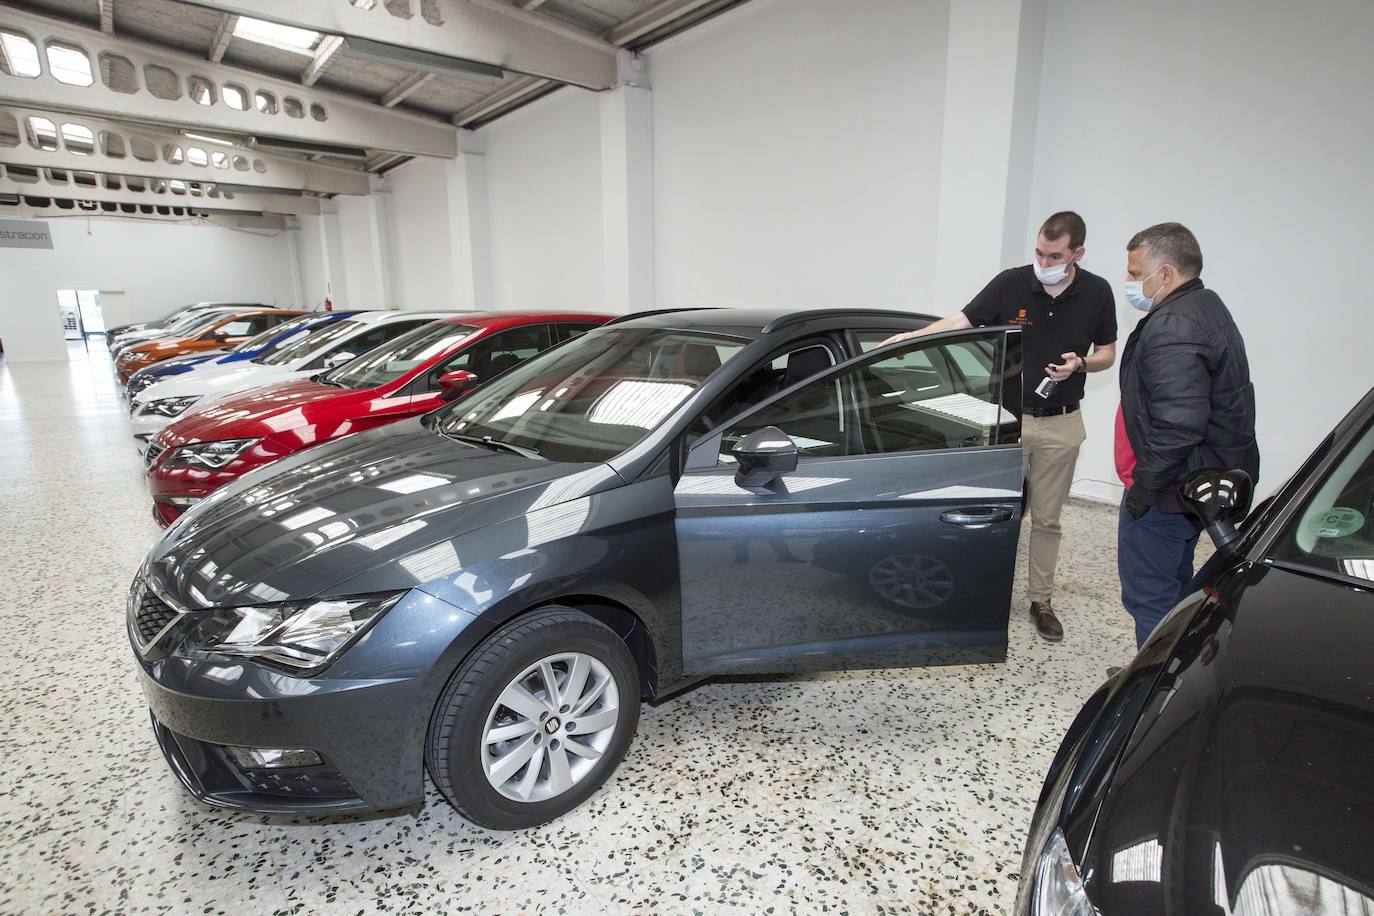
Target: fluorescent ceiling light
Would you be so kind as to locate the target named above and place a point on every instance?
(285, 37)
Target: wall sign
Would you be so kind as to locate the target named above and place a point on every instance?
(24, 233)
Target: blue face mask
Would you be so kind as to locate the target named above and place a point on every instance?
(1134, 291)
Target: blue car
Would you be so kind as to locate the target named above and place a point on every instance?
(266, 342)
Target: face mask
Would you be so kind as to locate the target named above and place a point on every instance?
(1135, 292)
(1051, 276)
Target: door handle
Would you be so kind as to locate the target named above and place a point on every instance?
(976, 517)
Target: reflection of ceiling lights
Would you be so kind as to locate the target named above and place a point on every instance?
(413, 483)
(282, 37)
(638, 403)
(219, 140)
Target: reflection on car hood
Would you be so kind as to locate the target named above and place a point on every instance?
(334, 512)
(259, 411)
(1247, 783)
(210, 380)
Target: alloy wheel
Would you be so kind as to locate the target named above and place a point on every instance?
(549, 727)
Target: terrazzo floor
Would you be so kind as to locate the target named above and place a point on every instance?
(867, 792)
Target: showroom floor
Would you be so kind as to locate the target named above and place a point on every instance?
(900, 790)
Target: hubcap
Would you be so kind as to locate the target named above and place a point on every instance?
(549, 727)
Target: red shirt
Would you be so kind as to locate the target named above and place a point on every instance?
(1125, 455)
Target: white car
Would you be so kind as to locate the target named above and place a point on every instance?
(181, 327)
(158, 405)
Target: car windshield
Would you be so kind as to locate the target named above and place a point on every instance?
(1334, 532)
(593, 398)
(395, 358)
(195, 327)
(311, 345)
(288, 328)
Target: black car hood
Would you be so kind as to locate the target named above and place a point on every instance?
(1251, 772)
(336, 512)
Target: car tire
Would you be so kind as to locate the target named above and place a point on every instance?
(466, 764)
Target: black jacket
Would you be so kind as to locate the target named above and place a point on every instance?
(1186, 396)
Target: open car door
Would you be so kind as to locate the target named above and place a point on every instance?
(891, 541)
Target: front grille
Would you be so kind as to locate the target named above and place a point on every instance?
(150, 456)
(304, 783)
(151, 616)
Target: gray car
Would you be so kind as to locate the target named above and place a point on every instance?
(489, 592)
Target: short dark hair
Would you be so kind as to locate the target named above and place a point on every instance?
(1065, 222)
(1173, 244)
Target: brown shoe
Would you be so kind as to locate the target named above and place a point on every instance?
(1046, 624)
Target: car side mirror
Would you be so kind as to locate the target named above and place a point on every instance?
(1218, 500)
(763, 456)
(335, 360)
(456, 383)
(221, 336)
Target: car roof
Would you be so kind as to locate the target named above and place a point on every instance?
(754, 322)
(382, 316)
(513, 318)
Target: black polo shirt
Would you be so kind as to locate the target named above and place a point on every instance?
(1082, 316)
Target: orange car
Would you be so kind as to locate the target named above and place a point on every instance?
(215, 333)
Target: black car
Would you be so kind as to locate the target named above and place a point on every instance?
(491, 590)
(1228, 768)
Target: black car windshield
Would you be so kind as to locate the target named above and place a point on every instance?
(1334, 532)
(594, 397)
(288, 328)
(395, 358)
(312, 344)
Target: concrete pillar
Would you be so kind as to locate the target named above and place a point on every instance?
(627, 190)
(992, 82)
(378, 249)
(468, 224)
(330, 240)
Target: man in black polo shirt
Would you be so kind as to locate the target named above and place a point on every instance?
(1069, 317)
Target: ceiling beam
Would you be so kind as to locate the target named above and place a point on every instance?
(159, 194)
(488, 32)
(277, 172)
(509, 94)
(404, 88)
(106, 16)
(223, 35)
(348, 121)
(655, 17)
(329, 47)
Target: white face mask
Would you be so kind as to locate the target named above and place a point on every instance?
(1051, 276)
(1134, 290)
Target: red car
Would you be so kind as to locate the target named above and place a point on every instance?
(212, 445)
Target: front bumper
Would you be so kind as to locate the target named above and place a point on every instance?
(372, 757)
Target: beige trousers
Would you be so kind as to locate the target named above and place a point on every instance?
(1049, 447)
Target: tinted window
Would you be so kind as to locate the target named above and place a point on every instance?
(489, 357)
(909, 402)
(595, 397)
(569, 330)
(395, 358)
(778, 373)
(284, 331)
(1334, 532)
(356, 346)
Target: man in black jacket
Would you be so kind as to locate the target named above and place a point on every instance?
(1186, 404)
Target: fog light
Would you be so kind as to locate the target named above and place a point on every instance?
(179, 501)
(271, 758)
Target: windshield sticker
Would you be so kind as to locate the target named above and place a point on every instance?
(1336, 522)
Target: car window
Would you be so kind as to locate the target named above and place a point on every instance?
(570, 329)
(596, 396)
(396, 357)
(356, 346)
(1334, 532)
(775, 374)
(316, 341)
(910, 401)
(235, 328)
(490, 356)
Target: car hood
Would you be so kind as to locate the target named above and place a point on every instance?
(210, 380)
(355, 510)
(257, 412)
(1249, 773)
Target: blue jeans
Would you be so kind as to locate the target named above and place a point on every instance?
(1154, 557)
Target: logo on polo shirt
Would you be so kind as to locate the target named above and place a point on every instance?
(1020, 317)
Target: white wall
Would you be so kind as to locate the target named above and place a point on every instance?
(797, 153)
(1250, 123)
(418, 230)
(160, 265)
(544, 189)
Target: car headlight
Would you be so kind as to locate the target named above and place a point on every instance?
(1058, 888)
(303, 635)
(213, 455)
(169, 407)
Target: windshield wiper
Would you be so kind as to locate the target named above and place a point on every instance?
(320, 379)
(492, 443)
